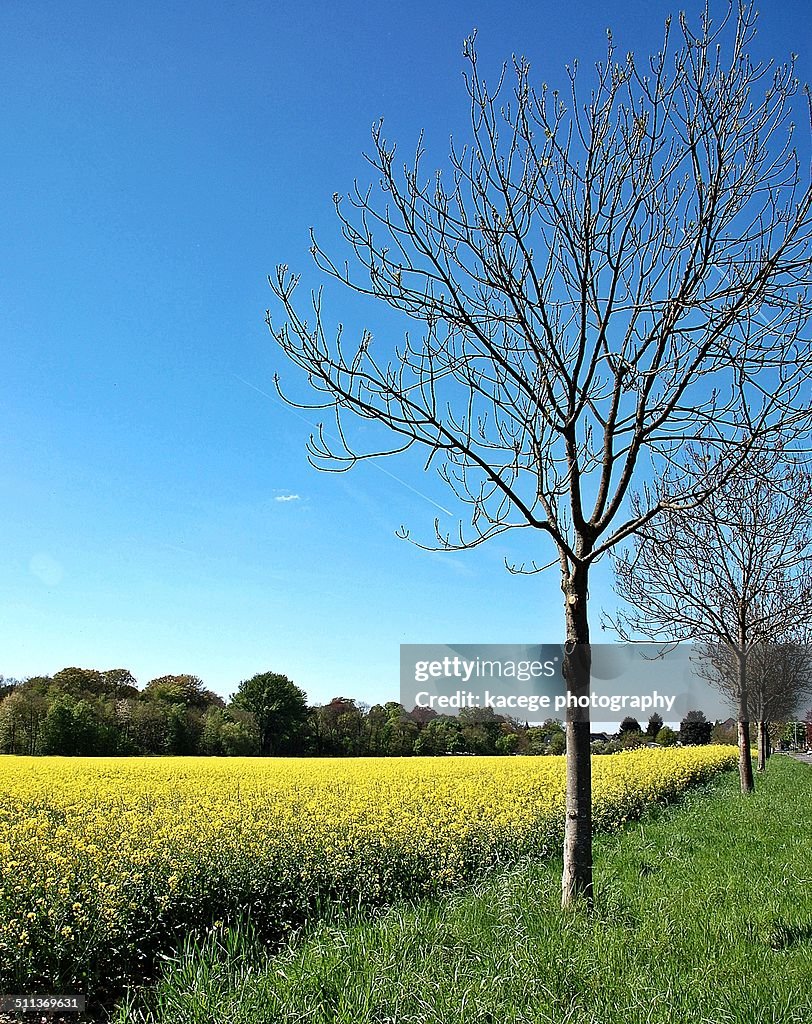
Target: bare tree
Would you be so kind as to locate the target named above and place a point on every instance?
(731, 575)
(779, 678)
(594, 280)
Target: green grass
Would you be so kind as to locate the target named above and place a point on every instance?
(703, 916)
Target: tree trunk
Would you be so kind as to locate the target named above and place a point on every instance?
(745, 757)
(576, 882)
(763, 742)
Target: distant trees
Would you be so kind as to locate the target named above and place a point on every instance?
(229, 733)
(779, 676)
(78, 726)
(731, 575)
(183, 690)
(695, 729)
(22, 714)
(80, 711)
(630, 734)
(338, 727)
(547, 738)
(400, 732)
(279, 708)
(442, 735)
(724, 732)
(7, 684)
(796, 733)
(666, 737)
(655, 723)
(88, 682)
(174, 718)
(83, 712)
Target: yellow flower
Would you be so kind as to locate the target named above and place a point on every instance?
(111, 844)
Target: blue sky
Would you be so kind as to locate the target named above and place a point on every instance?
(159, 160)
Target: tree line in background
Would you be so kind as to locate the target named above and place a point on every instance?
(87, 712)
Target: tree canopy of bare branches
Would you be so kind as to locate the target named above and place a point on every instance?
(731, 575)
(779, 679)
(597, 278)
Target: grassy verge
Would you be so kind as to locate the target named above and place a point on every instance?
(703, 914)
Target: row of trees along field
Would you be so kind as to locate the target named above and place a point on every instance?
(603, 297)
(86, 712)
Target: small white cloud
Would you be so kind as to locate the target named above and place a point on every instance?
(287, 497)
(46, 569)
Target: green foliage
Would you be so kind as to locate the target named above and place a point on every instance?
(240, 735)
(667, 737)
(229, 733)
(557, 744)
(338, 728)
(725, 734)
(655, 723)
(538, 738)
(630, 739)
(550, 728)
(507, 743)
(280, 710)
(81, 711)
(183, 689)
(57, 728)
(606, 747)
(794, 733)
(149, 727)
(629, 724)
(442, 735)
(400, 735)
(22, 714)
(695, 729)
(80, 681)
(375, 725)
(86, 711)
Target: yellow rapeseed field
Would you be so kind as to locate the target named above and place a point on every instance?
(106, 862)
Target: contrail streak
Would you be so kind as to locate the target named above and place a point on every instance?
(376, 465)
